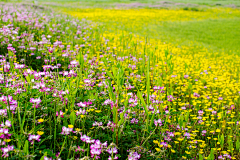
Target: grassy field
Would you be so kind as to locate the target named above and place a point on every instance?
(110, 80)
(201, 2)
(215, 29)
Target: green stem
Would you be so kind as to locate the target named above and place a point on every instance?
(149, 136)
(62, 146)
(34, 119)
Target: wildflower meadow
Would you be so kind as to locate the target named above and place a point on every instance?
(90, 83)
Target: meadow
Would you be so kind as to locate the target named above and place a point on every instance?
(88, 82)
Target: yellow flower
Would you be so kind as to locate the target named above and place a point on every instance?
(40, 120)
(177, 133)
(7, 140)
(98, 111)
(40, 133)
(70, 126)
(160, 145)
(158, 149)
(173, 151)
(77, 129)
(155, 141)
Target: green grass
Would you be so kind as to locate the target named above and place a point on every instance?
(214, 34)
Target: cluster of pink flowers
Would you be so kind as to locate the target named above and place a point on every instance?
(4, 132)
(84, 104)
(66, 131)
(60, 113)
(6, 150)
(133, 101)
(112, 151)
(81, 112)
(88, 84)
(32, 138)
(10, 102)
(170, 98)
(35, 102)
(158, 88)
(158, 122)
(134, 156)
(96, 147)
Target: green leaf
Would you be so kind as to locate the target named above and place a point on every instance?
(25, 148)
(152, 119)
(114, 113)
(73, 117)
(211, 156)
(237, 145)
(139, 94)
(109, 74)
(222, 140)
(121, 118)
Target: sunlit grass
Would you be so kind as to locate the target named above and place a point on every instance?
(216, 29)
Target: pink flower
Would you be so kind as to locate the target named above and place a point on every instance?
(112, 150)
(66, 131)
(35, 102)
(33, 138)
(158, 122)
(6, 150)
(61, 114)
